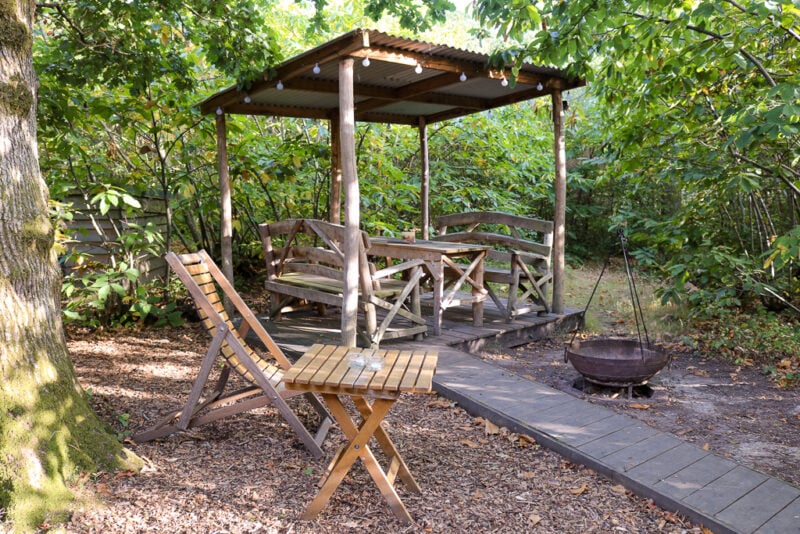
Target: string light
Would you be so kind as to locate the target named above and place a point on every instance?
(504, 82)
(247, 99)
(418, 69)
(365, 62)
(219, 111)
(463, 77)
(539, 86)
(279, 87)
(316, 68)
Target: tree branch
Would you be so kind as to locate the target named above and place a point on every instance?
(789, 31)
(756, 63)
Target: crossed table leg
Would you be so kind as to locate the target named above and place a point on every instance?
(358, 447)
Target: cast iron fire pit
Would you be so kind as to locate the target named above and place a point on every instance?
(615, 361)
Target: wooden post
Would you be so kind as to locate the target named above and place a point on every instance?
(335, 209)
(226, 225)
(559, 215)
(425, 177)
(351, 202)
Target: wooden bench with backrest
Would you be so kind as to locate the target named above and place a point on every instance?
(305, 267)
(520, 259)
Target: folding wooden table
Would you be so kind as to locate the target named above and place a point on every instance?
(327, 370)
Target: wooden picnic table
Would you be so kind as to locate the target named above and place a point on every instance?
(438, 256)
(327, 370)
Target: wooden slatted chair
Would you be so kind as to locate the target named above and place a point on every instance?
(204, 280)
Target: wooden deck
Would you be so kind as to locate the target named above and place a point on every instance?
(298, 331)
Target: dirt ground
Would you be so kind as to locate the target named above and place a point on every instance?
(732, 410)
(249, 473)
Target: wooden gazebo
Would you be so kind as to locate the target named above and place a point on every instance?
(369, 76)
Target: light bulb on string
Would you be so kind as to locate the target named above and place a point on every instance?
(279, 87)
(539, 86)
(418, 69)
(365, 62)
(463, 77)
(247, 99)
(316, 69)
(504, 82)
(219, 111)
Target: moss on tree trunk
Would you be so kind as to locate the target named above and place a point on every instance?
(48, 432)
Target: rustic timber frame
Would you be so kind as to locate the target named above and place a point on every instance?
(366, 75)
(305, 266)
(518, 262)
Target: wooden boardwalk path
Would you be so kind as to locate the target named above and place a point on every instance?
(718, 493)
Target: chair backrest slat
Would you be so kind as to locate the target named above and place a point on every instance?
(193, 270)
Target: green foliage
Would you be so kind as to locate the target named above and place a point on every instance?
(767, 339)
(686, 135)
(697, 103)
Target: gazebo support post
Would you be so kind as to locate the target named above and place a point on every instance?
(351, 202)
(335, 208)
(226, 224)
(559, 215)
(425, 177)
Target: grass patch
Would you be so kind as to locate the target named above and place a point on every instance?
(611, 311)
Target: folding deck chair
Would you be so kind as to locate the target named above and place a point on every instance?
(202, 277)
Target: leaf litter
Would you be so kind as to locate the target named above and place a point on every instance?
(248, 473)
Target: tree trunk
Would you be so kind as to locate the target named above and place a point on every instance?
(48, 432)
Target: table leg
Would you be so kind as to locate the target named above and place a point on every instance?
(388, 447)
(357, 448)
(478, 292)
(437, 271)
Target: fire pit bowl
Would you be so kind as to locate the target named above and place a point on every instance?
(615, 361)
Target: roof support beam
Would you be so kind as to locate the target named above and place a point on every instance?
(347, 124)
(560, 208)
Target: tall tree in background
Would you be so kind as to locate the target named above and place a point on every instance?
(47, 429)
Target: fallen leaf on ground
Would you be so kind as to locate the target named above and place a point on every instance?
(706, 446)
(440, 403)
(639, 406)
(533, 519)
(527, 475)
(580, 490)
(468, 443)
(619, 488)
(492, 428)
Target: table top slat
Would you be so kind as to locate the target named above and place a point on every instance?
(366, 376)
(350, 378)
(308, 364)
(398, 371)
(379, 380)
(334, 371)
(425, 380)
(410, 377)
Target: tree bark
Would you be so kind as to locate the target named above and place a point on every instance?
(48, 432)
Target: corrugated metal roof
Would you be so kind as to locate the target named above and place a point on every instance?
(389, 87)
